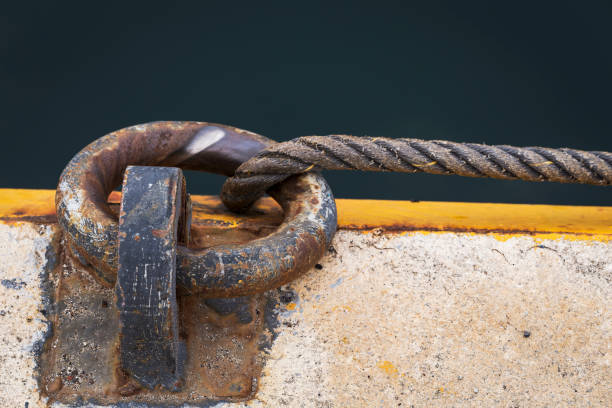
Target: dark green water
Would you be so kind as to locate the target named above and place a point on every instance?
(522, 73)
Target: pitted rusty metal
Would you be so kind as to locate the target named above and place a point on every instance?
(310, 224)
(151, 351)
(91, 226)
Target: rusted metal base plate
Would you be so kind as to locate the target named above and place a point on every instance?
(225, 340)
(80, 361)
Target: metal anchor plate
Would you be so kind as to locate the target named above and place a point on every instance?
(126, 345)
(141, 342)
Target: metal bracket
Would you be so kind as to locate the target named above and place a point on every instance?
(150, 350)
(151, 344)
(185, 346)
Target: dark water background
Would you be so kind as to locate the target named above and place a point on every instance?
(522, 73)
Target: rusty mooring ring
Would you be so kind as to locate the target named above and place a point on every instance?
(222, 271)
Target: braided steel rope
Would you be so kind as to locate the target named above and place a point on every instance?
(342, 152)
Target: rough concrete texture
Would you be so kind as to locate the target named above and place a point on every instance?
(392, 320)
(448, 320)
(25, 254)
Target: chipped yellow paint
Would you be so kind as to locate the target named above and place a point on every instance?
(18, 202)
(502, 220)
(291, 306)
(424, 165)
(388, 367)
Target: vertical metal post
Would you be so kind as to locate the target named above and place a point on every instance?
(151, 206)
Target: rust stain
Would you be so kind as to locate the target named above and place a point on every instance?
(38, 219)
(92, 174)
(159, 233)
(224, 354)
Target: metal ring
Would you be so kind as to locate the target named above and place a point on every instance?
(222, 271)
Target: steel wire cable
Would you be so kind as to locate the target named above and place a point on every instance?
(343, 152)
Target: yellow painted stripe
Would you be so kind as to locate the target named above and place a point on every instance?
(546, 221)
(475, 216)
(16, 203)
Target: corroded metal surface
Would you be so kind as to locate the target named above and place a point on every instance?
(150, 349)
(95, 171)
(91, 226)
(272, 261)
(225, 342)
